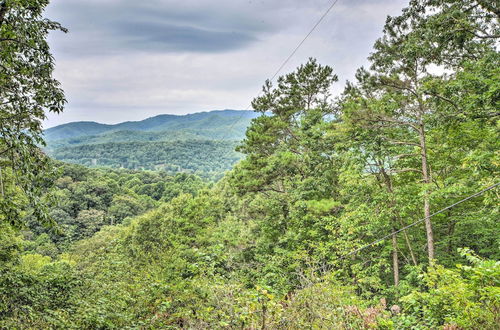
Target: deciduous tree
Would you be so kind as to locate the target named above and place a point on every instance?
(28, 91)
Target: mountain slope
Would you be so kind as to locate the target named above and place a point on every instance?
(205, 158)
(214, 123)
(75, 129)
(201, 143)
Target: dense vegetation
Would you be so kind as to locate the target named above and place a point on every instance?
(88, 199)
(206, 158)
(201, 143)
(271, 245)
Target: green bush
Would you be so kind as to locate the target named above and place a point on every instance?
(467, 297)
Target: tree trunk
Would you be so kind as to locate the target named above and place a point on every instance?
(264, 311)
(407, 239)
(395, 262)
(451, 229)
(1, 183)
(388, 182)
(427, 206)
(3, 11)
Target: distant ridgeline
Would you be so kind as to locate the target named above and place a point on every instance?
(201, 143)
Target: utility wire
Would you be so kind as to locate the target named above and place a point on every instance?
(281, 67)
(421, 220)
(285, 62)
(305, 38)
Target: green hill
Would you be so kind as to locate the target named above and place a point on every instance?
(201, 143)
(75, 129)
(218, 124)
(203, 157)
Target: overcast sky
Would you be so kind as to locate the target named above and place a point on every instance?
(129, 60)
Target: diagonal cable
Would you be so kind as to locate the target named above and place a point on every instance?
(421, 220)
(285, 62)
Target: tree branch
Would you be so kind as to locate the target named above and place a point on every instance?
(402, 142)
(386, 84)
(6, 150)
(404, 170)
(405, 155)
(400, 122)
(446, 100)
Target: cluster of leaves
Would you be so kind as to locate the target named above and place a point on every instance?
(36, 292)
(167, 268)
(467, 296)
(188, 264)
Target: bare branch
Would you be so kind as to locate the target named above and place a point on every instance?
(446, 100)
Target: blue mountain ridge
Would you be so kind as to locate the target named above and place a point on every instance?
(214, 122)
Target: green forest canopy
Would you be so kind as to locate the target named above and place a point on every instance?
(265, 246)
(204, 157)
(201, 143)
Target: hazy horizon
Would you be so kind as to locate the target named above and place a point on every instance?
(138, 120)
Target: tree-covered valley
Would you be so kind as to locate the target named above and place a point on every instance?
(201, 143)
(377, 208)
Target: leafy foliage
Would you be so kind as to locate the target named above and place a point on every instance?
(465, 297)
(27, 92)
(270, 245)
(89, 199)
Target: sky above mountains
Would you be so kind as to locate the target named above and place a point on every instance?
(129, 60)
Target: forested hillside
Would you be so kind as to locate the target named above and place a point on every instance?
(205, 158)
(217, 124)
(201, 143)
(374, 209)
(88, 199)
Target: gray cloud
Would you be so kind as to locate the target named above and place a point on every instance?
(127, 60)
(168, 37)
(109, 27)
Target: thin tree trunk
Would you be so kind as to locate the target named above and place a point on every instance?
(388, 182)
(427, 206)
(395, 257)
(451, 228)
(3, 11)
(264, 311)
(395, 260)
(407, 239)
(1, 183)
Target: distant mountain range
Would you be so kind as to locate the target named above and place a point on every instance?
(202, 142)
(217, 125)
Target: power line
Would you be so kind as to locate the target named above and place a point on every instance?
(305, 38)
(421, 220)
(285, 62)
